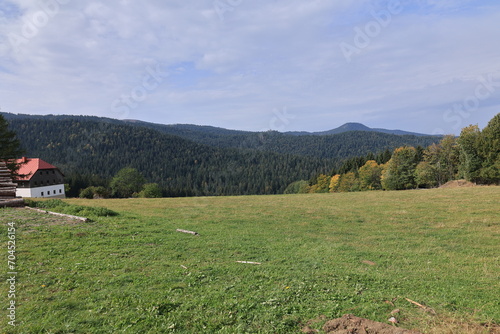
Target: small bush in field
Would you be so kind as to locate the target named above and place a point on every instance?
(77, 210)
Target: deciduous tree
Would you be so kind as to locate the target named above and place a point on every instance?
(334, 183)
(400, 172)
(442, 162)
(322, 184)
(470, 161)
(348, 182)
(370, 176)
(490, 149)
(127, 182)
(425, 175)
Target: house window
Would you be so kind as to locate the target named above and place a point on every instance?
(42, 193)
(60, 191)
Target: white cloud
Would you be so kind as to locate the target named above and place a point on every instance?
(260, 56)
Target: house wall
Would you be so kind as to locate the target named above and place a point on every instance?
(53, 191)
(23, 192)
(46, 177)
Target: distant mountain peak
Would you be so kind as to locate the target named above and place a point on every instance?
(353, 126)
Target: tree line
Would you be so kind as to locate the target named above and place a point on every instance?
(92, 153)
(473, 156)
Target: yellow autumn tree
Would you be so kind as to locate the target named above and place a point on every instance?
(370, 175)
(348, 182)
(334, 183)
(321, 186)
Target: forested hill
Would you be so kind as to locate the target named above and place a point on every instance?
(190, 159)
(88, 152)
(338, 146)
(341, 143)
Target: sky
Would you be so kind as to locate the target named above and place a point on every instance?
(428, 66)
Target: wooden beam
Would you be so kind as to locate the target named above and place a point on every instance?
(8, 192)
(59, 214)
(186, 231)
(249, 262)
(12, 203)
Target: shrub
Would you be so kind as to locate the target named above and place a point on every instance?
(95, 193)
(297, 187)
(151, 190)
(69, 209)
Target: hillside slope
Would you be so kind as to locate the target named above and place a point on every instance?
(352, 140)
(182, 167)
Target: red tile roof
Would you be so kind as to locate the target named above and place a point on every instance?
(31, 166)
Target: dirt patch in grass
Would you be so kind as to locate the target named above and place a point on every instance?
(350, 324)
(458, 184)
(446, 324)
(465, 328)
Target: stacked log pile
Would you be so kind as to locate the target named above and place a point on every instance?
(8, 189)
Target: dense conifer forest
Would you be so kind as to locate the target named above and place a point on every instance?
(197, 160)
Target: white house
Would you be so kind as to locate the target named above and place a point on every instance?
(40, 179)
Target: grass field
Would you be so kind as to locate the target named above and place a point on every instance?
(320, 254)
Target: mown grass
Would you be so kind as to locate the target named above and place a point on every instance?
(134, 273)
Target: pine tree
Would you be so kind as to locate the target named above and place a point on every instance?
(10, 147)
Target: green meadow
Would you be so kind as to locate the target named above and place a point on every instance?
(321, 256)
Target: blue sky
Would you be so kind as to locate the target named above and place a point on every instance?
(425, 65)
